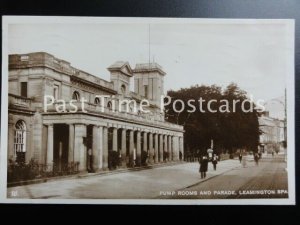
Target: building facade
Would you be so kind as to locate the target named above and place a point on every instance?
(272, 133)
(105, 124)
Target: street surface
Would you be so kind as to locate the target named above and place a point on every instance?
(175, 181)
(267, 180)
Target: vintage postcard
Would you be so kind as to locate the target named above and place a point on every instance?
(147, 111)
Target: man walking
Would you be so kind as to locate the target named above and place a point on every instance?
(240, 157)
(203, 166)
(256, 157)
(215, 161)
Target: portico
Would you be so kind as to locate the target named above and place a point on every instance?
(134, 144)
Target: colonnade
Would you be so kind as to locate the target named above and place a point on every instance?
(131, 144)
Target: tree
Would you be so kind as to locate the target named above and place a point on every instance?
(229, 130)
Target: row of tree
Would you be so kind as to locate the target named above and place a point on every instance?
(229, 130)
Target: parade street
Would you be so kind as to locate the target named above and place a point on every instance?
(268, 179)
(230, 180)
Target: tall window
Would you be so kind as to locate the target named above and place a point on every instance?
(55, 92)
(109, 105)
(20, 141)
(146, 91)
(97, 101)
(76, 96)
(123, 89)
(24, 89)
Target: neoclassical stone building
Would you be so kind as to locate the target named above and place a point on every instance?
(272, 135)
(98, 128)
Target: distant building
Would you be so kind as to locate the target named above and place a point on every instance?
(272, 133)
(64, 137)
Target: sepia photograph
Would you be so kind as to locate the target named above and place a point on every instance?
(114, 110)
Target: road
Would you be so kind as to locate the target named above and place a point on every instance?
(163, 182)
(267, 180)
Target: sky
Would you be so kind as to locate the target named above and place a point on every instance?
(253, 55)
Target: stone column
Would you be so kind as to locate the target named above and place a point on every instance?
(166, 145)
(131, 148)
(79, 147)
(71, 143)
(174, 149)
(50, 146)
(145, 144)
(151, 149)
(10, 145)
(138, 148)
(177, 147)
(181, 148)
(161, 148)
(105, 149)
(96, 147)
(156, 148)
(123, 148)
(115, 139)
(170, 148)
(100, 158)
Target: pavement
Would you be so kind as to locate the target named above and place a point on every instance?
(266, 180)
(157, 182)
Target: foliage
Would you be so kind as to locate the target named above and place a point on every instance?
(20, 171)
(229, 130)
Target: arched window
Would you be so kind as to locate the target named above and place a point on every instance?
(20, 141)
(97, 101)
(109, 105)
(123, 88)
(76, 96)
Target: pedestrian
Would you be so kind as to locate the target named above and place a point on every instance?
(180, 155)
(256, 157)
(203, 166)
(120, 158)
(244, 162)
(240, 157)
(215, 161)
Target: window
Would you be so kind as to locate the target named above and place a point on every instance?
(24, 89)
(76, 96)
(146, 91)
(123, 88)
(20, 141)
(97, 101)
(109, 105)
(55, 92)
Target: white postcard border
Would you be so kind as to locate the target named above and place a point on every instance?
(6, 20)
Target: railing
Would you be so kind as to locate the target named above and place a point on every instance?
(24, 172)
(89, 77)
(19, 101)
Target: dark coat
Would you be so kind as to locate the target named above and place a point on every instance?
(203, 165)
(214, 160)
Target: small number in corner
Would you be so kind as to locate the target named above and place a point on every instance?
(14, 193)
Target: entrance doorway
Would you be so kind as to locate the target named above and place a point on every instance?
(61, 146)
